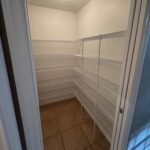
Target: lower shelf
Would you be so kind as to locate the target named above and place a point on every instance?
(102, 122)
(103, 104)
(56, 99)
(55, 96)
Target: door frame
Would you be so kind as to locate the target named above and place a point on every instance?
(134, 62)
(10, 75)
(17, 28)
(9, 135)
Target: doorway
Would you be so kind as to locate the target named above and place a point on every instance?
(78, 63)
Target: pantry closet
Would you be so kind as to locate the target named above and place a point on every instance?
(80, 53)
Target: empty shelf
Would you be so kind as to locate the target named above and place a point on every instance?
(107, 130)
(92, 96)
(53, 68)
(53, 55)
(107, 85)
(103, 61)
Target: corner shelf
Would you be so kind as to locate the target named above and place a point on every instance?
(53, 55)
(100, 79)
(103, 61)
(93, 98)
(38, 69)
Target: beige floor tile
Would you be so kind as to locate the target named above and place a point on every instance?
(88, 148)
(86, 116)
(47, 112)
(66, 116)
(50, 127)
(99, 136)
(68, 113)
(74, 139)
(49, 121)
(66, 121)
(95, 146)
(87, 128)
(53, 143)
(104, 144)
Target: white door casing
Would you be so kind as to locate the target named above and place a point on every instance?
(9, 135)
(16, 21)
(134, 63)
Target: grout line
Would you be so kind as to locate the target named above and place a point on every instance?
(70, 128)
(46, 138)
(62, 141)
(61, 136)
(86, 137)
(60, 132)
(51, 136)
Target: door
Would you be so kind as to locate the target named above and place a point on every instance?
(17, 29)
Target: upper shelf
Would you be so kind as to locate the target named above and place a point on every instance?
(61, 41)
(107, 85)
(53, 55)
(96, 37)
(54, 68)
(105, 36)
(89, 58)
(101, 61)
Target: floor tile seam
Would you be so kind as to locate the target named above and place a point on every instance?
(102, 138)
(59, 130)
(70, 128)
(85, 133)
(62, 140)
(81, 131)
(66, 128)
(78, 124)
(57, 124)
(85, 136)
(46, 138)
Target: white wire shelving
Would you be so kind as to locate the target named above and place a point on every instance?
(97, 92)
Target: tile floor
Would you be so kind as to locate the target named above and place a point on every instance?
(64, 127)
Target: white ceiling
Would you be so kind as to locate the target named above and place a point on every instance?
(67, 5)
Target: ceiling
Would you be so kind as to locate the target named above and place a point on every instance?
(67, 5)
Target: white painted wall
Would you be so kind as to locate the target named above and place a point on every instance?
(97, 16)
(52, 24)
(103, 16)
